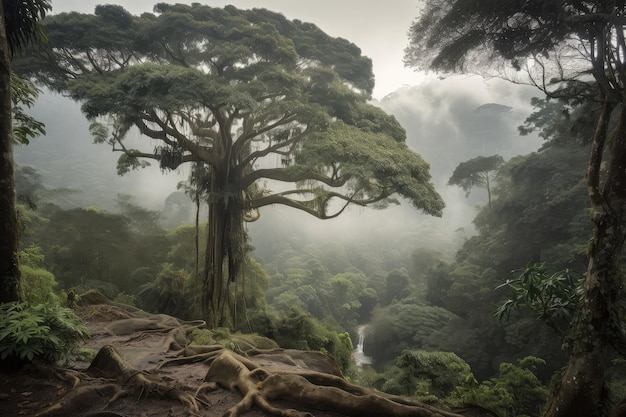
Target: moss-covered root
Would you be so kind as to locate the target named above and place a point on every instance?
(259, 388)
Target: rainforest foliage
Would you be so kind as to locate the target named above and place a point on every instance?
(432, 330)
(526, 296)
(573, 51)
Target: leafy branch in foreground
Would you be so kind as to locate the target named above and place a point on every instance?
(23, 96)
(554, 297)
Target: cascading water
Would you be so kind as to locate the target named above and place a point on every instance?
(359, 357)
(359, 346)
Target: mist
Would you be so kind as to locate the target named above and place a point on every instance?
(67, 157)
(447, 122)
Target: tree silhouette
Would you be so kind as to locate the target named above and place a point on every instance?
(477, 172)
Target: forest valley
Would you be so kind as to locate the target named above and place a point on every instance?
(523, 318)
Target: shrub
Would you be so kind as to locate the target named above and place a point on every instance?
(38, 284)
(128, 299)
(45, 331)
(108, 289)
(202, 337)
(205, 337)
(432, 373)
(514, 392)
(299, 330)
(168, 293)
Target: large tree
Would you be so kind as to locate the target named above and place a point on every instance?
(18, 26)
(572, 49)
(270, 111)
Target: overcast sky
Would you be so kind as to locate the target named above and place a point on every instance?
(377, 27)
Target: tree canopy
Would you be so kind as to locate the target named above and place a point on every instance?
(207, 81)
(274, 110)
(466, 35)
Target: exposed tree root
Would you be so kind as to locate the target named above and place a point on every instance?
(121, 380)
(194, 354)
(266, 389)
(311, 390)
(70, 377)
(276, 382)
(80, 398)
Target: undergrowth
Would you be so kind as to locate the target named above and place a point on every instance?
(47, 332)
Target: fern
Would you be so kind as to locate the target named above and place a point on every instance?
(46, 331)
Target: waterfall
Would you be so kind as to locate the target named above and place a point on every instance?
(359, 345)
(359, 357)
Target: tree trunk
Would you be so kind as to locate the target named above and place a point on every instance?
(213, 289)
(581, 389)
(488, 191)
(226, 247)
(9, 263)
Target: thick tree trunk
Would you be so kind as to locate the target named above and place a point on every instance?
(581, 389)
(9, 265)
(225, 252)
(213, 291)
